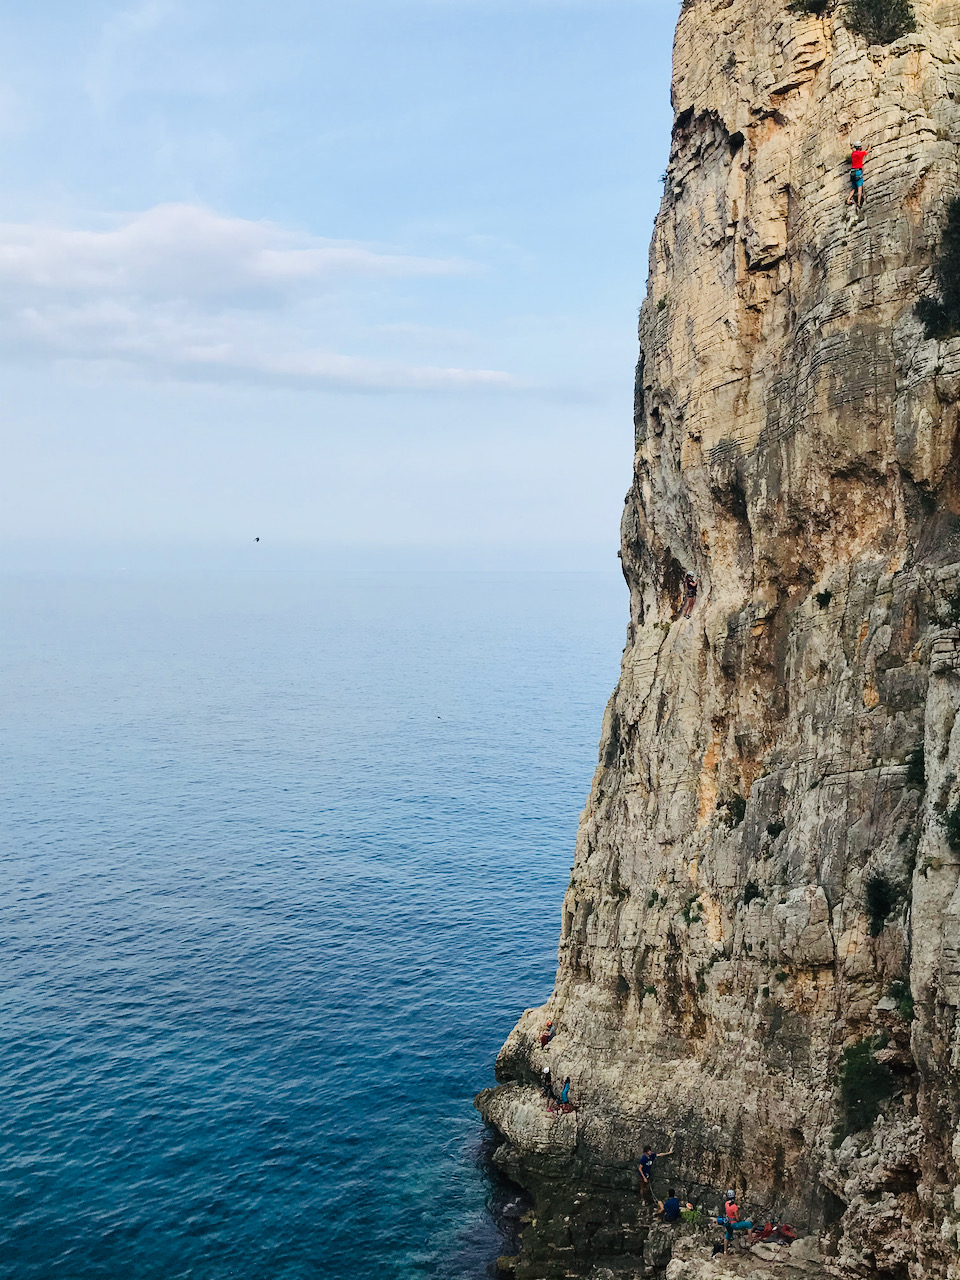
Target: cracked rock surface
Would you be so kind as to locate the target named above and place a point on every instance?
(767, 872)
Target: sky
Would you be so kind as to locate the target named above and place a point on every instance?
(357, 278)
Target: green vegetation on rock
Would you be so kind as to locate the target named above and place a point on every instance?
(952, 607)
(879, 21)
(916, 774)
(691, 910)
(951, 825)
(941, 315)
(900, 991)
(865, 1084)
(881, 898)
(732, 810)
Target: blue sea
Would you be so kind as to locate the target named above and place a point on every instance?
(283, 856)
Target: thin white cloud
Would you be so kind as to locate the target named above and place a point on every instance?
(191, 251)
(180, 290)
(170, 342)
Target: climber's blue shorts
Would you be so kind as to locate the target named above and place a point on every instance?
(856, 177)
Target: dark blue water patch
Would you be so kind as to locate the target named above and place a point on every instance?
(283, 858)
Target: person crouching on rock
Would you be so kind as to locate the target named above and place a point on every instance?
(670, 1212)
(547, 1034)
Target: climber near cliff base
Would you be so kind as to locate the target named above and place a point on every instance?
(731, 1220)
(671, 1208)
(731, 1215)
(563, 1105)
(857, 156)
(646, 1169)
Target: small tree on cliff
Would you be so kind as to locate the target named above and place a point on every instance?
(880, 21)
(941, 315)
(865, 1083)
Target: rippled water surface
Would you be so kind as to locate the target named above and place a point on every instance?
(282, 860)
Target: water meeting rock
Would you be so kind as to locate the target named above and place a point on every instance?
(765, 898)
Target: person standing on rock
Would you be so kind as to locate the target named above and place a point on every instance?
(565, 1092)
(547, 1081)
(731, 1215)
(857, 156)
(646, 1169)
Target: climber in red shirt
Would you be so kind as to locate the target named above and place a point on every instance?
(857, 156)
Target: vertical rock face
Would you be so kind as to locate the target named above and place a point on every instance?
(767, 871)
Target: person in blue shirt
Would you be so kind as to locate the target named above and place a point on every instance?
(565, 1092)
(671, 1207)
(646, 1169)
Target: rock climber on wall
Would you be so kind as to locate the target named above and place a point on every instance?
(690, 585)
(646, 1169)
(857, 156)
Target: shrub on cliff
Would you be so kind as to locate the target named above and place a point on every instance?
(691, 910)
(864, 1084)
(732, 810)
(941, 315)
(916, 771)
(880, 21)
(951, 825)
(950, 612)
(881, 898)
(900, 991)
(752, 891)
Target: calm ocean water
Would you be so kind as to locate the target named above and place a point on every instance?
(282, 860)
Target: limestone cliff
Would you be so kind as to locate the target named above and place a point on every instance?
(767, 871)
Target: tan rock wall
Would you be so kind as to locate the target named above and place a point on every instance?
(797, 451)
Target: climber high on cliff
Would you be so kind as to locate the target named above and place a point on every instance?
(858, 154)
(690, 585)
